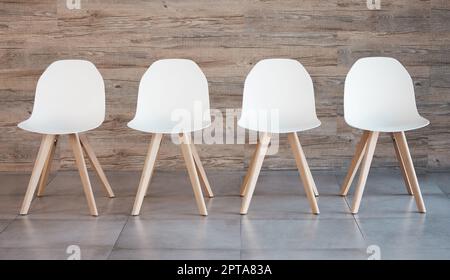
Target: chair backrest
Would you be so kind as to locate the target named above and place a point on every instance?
(174, 87)
(378, 87)
(70, 90)
(282, 85)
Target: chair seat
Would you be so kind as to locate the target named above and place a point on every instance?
(165, 126)
(56, 127)
(390, 125)
(285, 126)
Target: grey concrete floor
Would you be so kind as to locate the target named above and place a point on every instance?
(279, 224)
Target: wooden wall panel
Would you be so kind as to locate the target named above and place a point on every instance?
(226, 38)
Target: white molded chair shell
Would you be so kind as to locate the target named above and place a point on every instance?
(379, 96)
(70, 98)
(278, 98)
(173, 98)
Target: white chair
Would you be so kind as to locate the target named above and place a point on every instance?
(379, 97)
(278, 98)
(70, 99)
(169, 90)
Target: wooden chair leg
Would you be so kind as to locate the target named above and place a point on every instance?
(44, 150)
(79, 158)
(315, 190)
(151, 176)
(201, 172)
(147, 173)
(247, 175)
(365, 167)
(400, 139)
(260, 153)
(96, 165)
(402, 166)
(303, 169)
(311, 180)
(186, 149)
(354, 165)
(47, 168)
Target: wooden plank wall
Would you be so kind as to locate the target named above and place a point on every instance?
(226, 38)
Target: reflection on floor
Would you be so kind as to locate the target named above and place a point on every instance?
(278, 226)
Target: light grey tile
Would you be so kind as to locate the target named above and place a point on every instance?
(177, 183)
(4, 224)
(287, 207)
(391, 183)
(278, 183)
(289, 183)
(428, 185)
(153, 207)
(327, 182)
(305, 254)
(225, 183)
(402, 206)
(424, 232)
(402, 253)
(301, 234)
(75, 207)
(12, 184)
(64, 199)
(123, 183)
(54, 253)
(10, 206)
(202, 233)
(27, 233)
(185, 207)
(442, 180)
(68, 183)
(173, 254)
(165, 183)
(280, 195)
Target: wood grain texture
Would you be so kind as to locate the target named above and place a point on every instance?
(226, 38)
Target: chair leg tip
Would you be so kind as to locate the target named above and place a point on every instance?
(94, 213)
